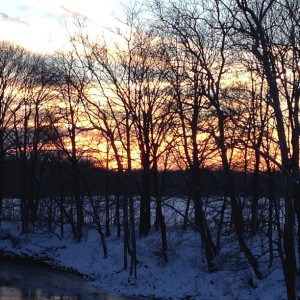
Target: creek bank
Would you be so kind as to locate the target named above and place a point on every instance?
(39, 261)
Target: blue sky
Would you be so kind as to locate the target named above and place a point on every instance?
(40, 24)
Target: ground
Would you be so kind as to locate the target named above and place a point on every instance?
(184, 276)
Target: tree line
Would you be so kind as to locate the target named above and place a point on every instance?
(188, 86)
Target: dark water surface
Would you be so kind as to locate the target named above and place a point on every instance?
(20, 282)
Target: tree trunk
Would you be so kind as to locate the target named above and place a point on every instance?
(78, 202)
(160, 219)
(255, 191)
(145, 213)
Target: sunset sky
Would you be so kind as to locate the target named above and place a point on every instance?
(40, 24)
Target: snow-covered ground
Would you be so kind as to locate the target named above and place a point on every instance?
(183, 277)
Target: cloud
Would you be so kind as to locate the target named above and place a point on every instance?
(25, 7)
(7, 18)
(53, 16)
(75, 13)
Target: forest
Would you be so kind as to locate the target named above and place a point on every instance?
(190, 99)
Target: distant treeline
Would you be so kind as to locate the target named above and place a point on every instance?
(56, 178)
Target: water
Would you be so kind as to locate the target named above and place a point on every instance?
(23, 282)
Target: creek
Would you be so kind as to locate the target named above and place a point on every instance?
(24, 282)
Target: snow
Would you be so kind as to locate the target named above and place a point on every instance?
(184, 276)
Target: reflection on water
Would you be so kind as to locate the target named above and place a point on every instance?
(11, 293)
(19, 282)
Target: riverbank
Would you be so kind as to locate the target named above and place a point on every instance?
(38, 261)
(20, 281)
(184, 276)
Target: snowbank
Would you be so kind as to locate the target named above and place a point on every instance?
(183, 277)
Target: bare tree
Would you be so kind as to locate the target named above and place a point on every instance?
(184, 78)
(68, 127)
(204, 34)
(31, 126)
(265, 30)
(12, 60)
